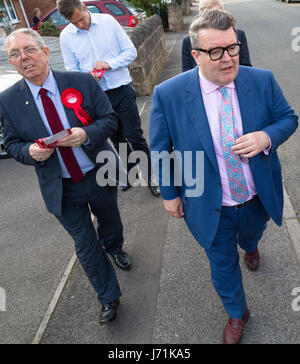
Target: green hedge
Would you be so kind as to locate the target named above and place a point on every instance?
(154, 7)
(49, 29)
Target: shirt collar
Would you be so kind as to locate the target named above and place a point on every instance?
(208, 86)
(49, 85)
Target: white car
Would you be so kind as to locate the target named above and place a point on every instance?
(139, 13)
(3, 153)
(6, 80)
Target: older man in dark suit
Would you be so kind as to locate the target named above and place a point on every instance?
(33, 109)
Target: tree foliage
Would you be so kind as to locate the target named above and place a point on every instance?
(154, 7)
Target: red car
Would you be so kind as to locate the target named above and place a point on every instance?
(117, 9)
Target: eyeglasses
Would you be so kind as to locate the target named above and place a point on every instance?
(16, 55)
(217, 53)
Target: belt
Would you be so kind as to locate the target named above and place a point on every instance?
(70, 179)
(245, 203)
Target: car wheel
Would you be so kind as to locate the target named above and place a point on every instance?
(3, 153)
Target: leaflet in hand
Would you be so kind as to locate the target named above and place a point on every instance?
(50, 142)
(98, 73)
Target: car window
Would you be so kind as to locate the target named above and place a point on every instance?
(93, 9)
(115, 9)
(129, 6)
(57, 19)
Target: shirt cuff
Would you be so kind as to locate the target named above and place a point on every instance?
(267, 150)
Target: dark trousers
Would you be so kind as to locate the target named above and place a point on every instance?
(79, 200)
(123, 100)
(243, 227)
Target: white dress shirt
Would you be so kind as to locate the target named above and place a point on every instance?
(106, 41)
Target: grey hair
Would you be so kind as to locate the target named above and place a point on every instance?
(67, 7)
(209, 4)
(212, 18)
(39, 40)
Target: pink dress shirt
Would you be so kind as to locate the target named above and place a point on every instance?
(212, 102)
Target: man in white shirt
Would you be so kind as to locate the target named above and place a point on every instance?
(98, 42)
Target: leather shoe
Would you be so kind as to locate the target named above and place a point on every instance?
(109, 312)
(124, 188)
(155, 190)
(233, 331)
(252, 260)
(122, 260)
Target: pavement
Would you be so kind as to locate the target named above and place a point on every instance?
(168, 297)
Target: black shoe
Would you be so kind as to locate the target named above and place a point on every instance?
(155, 190)
(109, 312)
(122, 260)
(124, 188)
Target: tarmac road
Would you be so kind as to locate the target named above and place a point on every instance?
(167, 296)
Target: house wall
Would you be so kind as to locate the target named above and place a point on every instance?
(44, 6)
(19, 14)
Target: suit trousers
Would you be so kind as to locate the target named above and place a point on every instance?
(243, 227)
(79, 200)
(123, 100)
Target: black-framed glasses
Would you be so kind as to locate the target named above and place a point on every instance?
(217, 53)
(16, 55)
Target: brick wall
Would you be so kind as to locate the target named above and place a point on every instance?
(175, 17)
(149, 40)
(19, 14)
(44, 5)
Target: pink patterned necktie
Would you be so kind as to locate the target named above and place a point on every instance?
(237, 181)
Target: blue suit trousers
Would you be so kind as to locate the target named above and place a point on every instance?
(243, 227)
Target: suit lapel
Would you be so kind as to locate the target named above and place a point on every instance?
(63, 84)
(195, 106)
(246, 102)
(30, 113)
(246, 98)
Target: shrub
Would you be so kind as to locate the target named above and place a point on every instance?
(49, 29)
(154, 7)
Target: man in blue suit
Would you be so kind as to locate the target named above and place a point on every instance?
(32, 109)
(237, 117)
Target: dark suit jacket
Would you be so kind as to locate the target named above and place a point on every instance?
(188, 62)
(23, 125)
(180, 122)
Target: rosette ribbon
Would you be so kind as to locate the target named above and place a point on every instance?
(72, 99)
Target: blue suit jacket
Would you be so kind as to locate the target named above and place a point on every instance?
(23, 125)
(178, 121)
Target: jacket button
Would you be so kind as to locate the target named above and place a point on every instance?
(218, 210)
(219, 184)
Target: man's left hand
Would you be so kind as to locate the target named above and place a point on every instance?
(73, 140)
(249, 145)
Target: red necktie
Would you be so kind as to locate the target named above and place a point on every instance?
(56, 126)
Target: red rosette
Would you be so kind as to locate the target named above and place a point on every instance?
(72, 99)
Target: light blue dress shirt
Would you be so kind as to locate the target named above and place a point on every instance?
(52, 91)
(105, 41)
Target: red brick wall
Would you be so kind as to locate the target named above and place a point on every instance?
(44, 5)
(19, 14)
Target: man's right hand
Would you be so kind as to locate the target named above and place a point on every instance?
(39, 154)
(174, 207)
